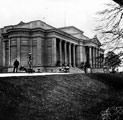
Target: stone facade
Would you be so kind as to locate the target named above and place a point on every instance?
(50, 47)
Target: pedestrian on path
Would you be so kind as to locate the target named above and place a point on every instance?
(16, 64)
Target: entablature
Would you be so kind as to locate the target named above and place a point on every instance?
(61, 35)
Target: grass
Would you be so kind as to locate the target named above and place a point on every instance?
(59, 97)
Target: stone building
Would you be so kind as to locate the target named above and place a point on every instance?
(50, 47)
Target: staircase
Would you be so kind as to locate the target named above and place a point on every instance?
(76, 70)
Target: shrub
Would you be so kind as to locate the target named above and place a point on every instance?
(112, 113)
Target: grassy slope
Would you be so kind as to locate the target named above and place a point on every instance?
(58, 97)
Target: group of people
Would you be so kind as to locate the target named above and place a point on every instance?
(64, 69)
(16, 66)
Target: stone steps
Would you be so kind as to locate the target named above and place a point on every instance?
(76, 70)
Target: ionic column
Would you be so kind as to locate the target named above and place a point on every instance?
(60, 52)
(90, 56)
(94, 58)
(65, 52)
(74, 56)
(3, 53)
(84, 57)
(98, 60)
(9, 63)
(69, 54)
(79, 53)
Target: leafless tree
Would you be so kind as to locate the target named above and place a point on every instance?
(111, 25)
(120, 2)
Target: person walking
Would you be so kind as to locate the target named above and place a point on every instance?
(16, 64)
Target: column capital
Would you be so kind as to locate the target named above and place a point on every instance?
(80, 45)
(65, 41)
(60, 40)
(74, 44)
(69, 43)
(94, 47)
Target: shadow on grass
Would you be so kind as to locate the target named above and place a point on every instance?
(112, 80)
(11, 96)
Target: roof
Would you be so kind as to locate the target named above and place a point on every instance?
(74, 32)
(31, 24)
(71, 27)
(71, 31)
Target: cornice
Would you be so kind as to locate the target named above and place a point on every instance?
(25, 30)
(62, 33)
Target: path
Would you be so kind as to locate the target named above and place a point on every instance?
(29, 74)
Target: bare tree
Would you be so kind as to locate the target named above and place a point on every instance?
(111, 26)
(120, 2)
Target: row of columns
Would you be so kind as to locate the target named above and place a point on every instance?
(95, 59)
(65, 53)
(70, 53)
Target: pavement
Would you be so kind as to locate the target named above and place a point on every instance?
(29, 74)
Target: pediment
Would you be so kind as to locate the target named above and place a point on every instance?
(95, 40)
(74, 32)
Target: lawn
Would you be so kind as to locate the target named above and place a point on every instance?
(59, 97)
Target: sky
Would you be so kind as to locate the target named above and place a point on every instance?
(57, 13)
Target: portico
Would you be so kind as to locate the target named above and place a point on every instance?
(66, 53)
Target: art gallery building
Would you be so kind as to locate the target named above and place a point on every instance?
(49, 47)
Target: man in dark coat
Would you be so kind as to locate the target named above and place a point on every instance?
(16, 64)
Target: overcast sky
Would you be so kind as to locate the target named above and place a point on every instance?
(57, 13)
